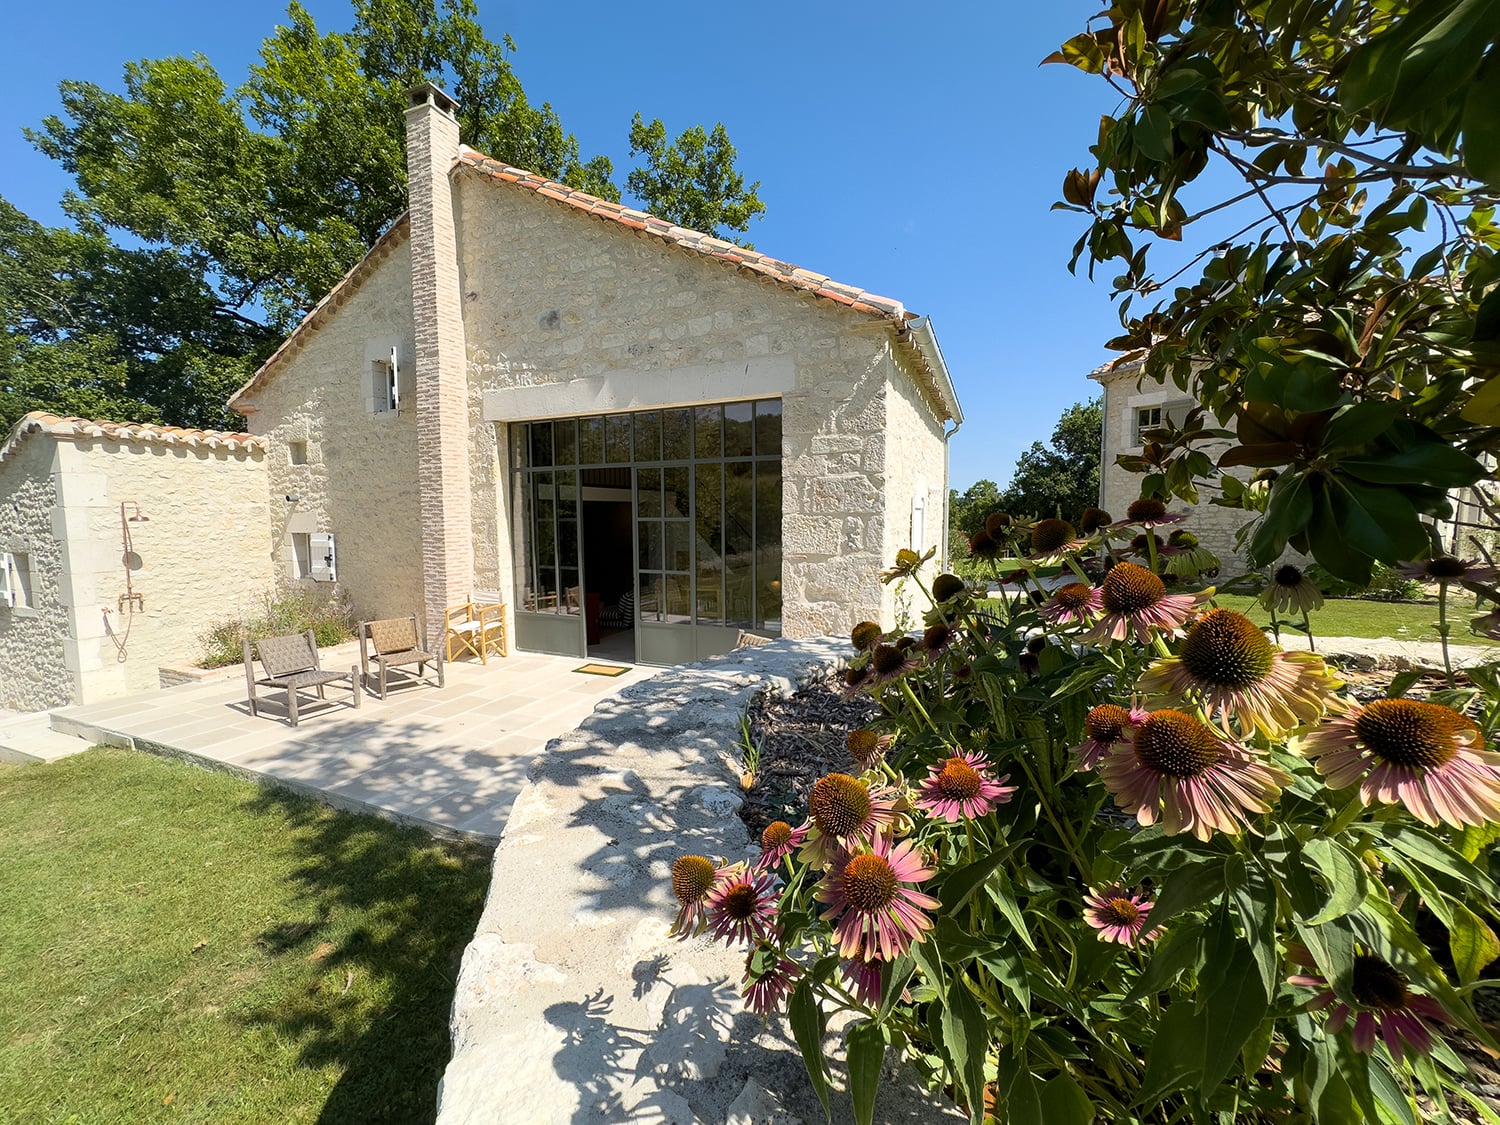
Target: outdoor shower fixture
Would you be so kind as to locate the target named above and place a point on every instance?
(130, 599)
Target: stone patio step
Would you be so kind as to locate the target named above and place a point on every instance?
(31, 738)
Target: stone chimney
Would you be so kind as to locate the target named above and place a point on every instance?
(442, 394)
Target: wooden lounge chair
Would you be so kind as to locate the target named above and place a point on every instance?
(395, 642)
(290, 665)
(475, 628)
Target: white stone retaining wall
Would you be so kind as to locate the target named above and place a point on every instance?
(573, 1005)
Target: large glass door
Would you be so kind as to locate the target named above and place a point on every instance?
(699, 556)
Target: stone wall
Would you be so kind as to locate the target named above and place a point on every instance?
(360, 478)
(33, 670)
(916, 465)
(202, 553)
(554, 297)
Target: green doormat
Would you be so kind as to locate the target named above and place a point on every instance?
(601, 669)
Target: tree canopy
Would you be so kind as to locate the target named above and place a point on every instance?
(1348, 330)
(1062, 477)
(208, 219)
(693, 180)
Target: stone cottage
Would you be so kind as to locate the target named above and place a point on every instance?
(119, 544)
(599, 415)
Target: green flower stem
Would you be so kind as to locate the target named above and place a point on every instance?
(1151, 549)
(1078, 570)
(1345, 817)
(1064, 833)
(1443, 628)
(1312, 645)
(1275, 624)
(917, 703)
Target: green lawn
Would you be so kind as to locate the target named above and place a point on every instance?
(1354, 618)
(178, 945)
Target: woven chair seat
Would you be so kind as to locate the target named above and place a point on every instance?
(395, 641)
(405, 656)
(304, 679)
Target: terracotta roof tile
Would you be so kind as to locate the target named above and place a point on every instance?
(39, 421)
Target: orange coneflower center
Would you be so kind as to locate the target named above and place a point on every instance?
(1377, 984)
(1147, 508)
(1411, 734)
(777, 835)
(869, 883)
(1106, 723)
(1288, 576)
(1051, 535)
(995, 523)
(1093, 519)
(865, 634)
(1227, 649)
(936, 636)
(1073, 597)
(862, 744)
(957, 780)
(692, 878)
(740, 902)
(1445, 566)
(853, 677)
(1120, 912)
(839, 804)
(1175, 744)
(1128, 588)
(887, 659)
(946, 586)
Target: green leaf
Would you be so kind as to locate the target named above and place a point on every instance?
(1188, 888)
(1255, 901)
(1379, 522)
(1153, 133)
(1175, 1057)
(1010, 971)
(1472, 943)
(1174, 953)
(1481, 126)
(1023, 1103)
(1433, 462)
(1063, 1102)
(1342, 873)
(960, 886)
(1387, 1092)
(1288, 509)
(1401, 683)
(966, 1039)
(866, 1050)
(806, 1019)
(1439, 856)
(897, 973)
(1474, 840)
(1003, 894)
(1236, 1007)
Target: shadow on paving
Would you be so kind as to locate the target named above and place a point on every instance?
(418, 900)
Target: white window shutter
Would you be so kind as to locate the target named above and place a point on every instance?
(324, 559)
(395, 381)
(7, 581)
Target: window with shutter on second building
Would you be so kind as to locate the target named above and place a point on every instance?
(1160, 414)
(15, 581)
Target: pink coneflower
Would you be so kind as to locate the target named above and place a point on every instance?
(996, 524)
(889, 662)
(742, 906)
(984, 546)
(1384, 1005)
(865, 979)
(693, 880)
(1054, 538)
(1104, 727)
(769, 978)
(1226, 662)
(1176, 768)
(1291, 591)
(778, 841)
(1187, 558)
(1447, 568)
(865, 635)
(1073, 604)
(962, 788)
(873, 897)
(867, 747)
(1148, 512)
(1135, 601)
(1424, 756)
(844, 811)
(1120, 915)
(855, 678)
(946, 587)
(1093, 519)
(937, 638)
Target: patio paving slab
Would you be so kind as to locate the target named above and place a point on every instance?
(450, 759)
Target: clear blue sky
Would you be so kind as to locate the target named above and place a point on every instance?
(913, 150)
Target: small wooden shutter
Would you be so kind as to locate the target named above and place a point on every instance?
(324, 560)
(395, 391)
(7, 581)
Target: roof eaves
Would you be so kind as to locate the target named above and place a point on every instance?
(64, 428)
